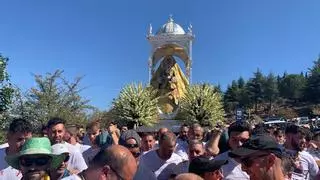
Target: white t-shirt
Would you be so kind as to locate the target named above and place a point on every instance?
(72, 177)
(144, 173)
(10, 173)
(232, 170)
(82, 148)
(6, 171)
(182, 149)
(161, 168)
(5, 145)
(315, 153)
(309, 165)
(76, 161)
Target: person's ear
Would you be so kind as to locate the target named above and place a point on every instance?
(271, 160)
(106, 169)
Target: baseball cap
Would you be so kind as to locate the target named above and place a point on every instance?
(203, 164)
(256, 144)
(60, 148)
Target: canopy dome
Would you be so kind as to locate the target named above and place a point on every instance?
(170, 28)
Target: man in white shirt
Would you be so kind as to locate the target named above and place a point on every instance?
(56, 132)
(296, 143)
(182, 142)
(239, 132)
(163, 161)
(19, 131)
(71, 138)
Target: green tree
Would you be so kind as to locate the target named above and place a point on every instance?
(136, 105)
(270, 90)
(202, 104)
(6, 93)
(231, 99)
(255, 88)
(292, 87)
(312, 92)
(54, 96)
(6, 90)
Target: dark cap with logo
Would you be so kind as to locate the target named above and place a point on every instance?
(202, 164)
(256, 144)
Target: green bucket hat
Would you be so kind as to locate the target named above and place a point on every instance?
(35, 146)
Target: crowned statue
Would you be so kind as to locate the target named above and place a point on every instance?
(169, 44)
(171, 83)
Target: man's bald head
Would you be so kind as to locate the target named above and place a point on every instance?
(188, 176)
(119, 159)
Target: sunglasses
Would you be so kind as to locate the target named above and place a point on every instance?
(117, 174)
(132, 146)
(247, 162)
(66, 159)
(38, 161)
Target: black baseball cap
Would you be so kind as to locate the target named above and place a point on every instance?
(202, 164)
(256, 144)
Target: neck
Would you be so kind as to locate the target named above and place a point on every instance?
(56, 176)
(11, 151)
(73, 141)
(289, 146)
(160, 155)
(276, 171)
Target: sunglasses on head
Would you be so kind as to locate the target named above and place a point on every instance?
(38, 161)
(132, 145)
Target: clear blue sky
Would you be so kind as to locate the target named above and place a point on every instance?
(105, 40)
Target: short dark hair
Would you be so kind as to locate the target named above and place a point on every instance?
(278, 132)
(239, 127)
(20, 125)
(292, 129)
(167, 136)
(148, 134)
(195, 142)
(94, 123)
(54, 121)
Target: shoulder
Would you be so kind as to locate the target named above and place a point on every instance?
(305, 154)
(149, 154)
(176, 158)
(72, 177)
(222, 156)
(4, 146)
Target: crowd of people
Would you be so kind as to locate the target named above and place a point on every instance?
(237, 151)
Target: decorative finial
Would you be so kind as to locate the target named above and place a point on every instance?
(150, 29)
(190, 29)
(170, 18)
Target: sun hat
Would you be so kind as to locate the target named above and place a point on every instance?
(202, 164)
(35, 146)
(60, 148)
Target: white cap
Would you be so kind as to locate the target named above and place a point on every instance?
(60, 149)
